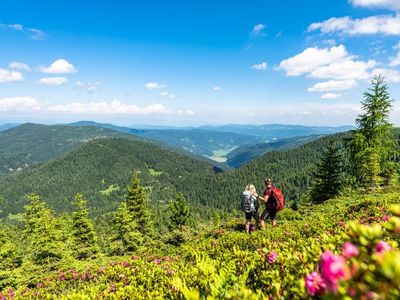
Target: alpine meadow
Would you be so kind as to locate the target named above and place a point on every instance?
(200, 150)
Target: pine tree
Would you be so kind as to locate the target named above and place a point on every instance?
(45, 246)
(137, 206)
(126, 236)
(133, 221)
(179, 211)
(83, 232)
(373, 147)
(328, 178)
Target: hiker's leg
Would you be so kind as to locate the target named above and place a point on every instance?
(248, 220)
(247, 226)
(273, 217)
(257, 219)
(262, 219)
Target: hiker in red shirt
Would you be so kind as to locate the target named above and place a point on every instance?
(272, 205)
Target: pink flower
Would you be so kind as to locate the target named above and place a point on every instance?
(315, 285)
(349, 250)
(171, 272)
(341, 223)
(333, 268)
(134, 257)
(173, 289)
(125, 264)
(272, 257)
(156, 261)
(382, 247)
(385, 218)
(39, 285)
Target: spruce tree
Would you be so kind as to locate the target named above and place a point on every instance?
(84, 235)
(126, 237)
(328, 177)
(137, 206)
(44, 239)
(373, 147)
(179, 211)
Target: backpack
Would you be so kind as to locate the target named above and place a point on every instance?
(278, 196)
(247, 202)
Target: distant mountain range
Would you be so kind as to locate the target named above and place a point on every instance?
(220, 143)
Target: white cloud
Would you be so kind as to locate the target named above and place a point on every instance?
(385, 25)
(52, 81)
(10, 76)
(34, 33)
(258, 30)
(347, 69)
(19, 66)
(329, 96)
(167, 95)
(91, 87)
(311, 59)
(28, 105)
(333, 85)
(114, 107)
(390, 4)
(216, 88)
(155, 86)
(261, 66)
(389, 74)
(59, 66)
(185, 112)
(395, 61)
(19, 104)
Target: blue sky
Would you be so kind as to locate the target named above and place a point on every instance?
(195, 62)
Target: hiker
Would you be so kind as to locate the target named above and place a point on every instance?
(273, 199)
(250, 206)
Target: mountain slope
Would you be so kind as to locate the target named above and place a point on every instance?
(245, 154)
(212, 144)
(269, 132)
(100, 170)
(29, 144)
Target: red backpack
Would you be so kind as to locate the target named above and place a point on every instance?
(278, 195)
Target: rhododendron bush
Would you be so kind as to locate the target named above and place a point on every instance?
(346, 248)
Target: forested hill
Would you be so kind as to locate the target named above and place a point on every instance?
(29, 143)
(245, 154)
(291, 170)
(100, 170)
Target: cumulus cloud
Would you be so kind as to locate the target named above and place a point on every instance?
(91, 87)
(19, 66)
(329, 96)
(385, 25)
(258, 30)
(155, 86)
(260, 67)
(106, 108)
(10, 76)
(389, 74)
(28, 105)
(53, 80)
(216, 88)
(333, 85)
(312, 58)
(59, 66)
(347, 69)
(19, 104)
(390, 4)
(166, 94)
(395, 61)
